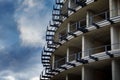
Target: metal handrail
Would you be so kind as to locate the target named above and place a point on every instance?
(105, 48)
(60, 62)
(63, 37)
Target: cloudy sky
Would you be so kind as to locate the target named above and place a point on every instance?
(22, 31)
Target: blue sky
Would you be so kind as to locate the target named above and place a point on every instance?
(22, 30)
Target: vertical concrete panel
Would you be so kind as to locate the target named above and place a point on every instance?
(115, 70)
(110, 7)
(69, 4)
(67, 55)
(113, 4)
(67, 77)
(68, 27)
(83, 46)
(53, 61)
(87, 44)
(87, 73)
(88, 18)
(118, 7)
(114, 37)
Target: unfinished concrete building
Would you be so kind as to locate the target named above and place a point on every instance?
(83, 41)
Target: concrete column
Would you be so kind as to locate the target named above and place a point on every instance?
(115, 37)
(66, 77)
(114, 7)
(68, 27)
(53, 61)
(67, 55)
(83, 46)
(115, 70)
(69, 2)
(88, 18)
(86, 44)
(87, 73)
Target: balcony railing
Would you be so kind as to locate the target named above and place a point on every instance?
(90, 52)
(60, 62)
(48, 73)
(94, 20)
(100, 17)
(76, 25)
(63, 37)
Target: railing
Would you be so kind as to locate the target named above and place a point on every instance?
(73, 27)
(95, 50)
(60, 62)
(63, 37)
(100, 17)
(88, 52)
(73, 4)
(106, 15)
(93, 19)
(115, 12)
(75, 56)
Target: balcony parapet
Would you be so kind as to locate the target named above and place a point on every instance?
(81, 29)
(77, 60)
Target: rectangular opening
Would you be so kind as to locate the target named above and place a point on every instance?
(115, 11)
(62, 35)
(73, 4)
(59, 61)
(97, 41)
(99, 71)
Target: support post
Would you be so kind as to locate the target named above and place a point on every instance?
(67, 77)
(88, 18)
(68, 53)
(115, 70)
(53, 61)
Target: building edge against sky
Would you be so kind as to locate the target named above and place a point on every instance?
(83, 41)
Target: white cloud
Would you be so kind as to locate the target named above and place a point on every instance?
(31, 73)
(7, 75)
(9, 78)
(31, 24)
(35, 78)
(30, 34)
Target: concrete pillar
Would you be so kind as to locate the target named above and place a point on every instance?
(67, 77)
(83, 46)
(88, 18)
(53, 61)
(114, 7)
(68, 27)
(68, 53)
(69, 5)
(115, 70)
(86, 44)
(87, 73)
(115, 37)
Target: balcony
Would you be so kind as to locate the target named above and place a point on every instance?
(95, 22)
(76, 58)
(94, 61)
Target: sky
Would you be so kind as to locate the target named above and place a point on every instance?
(22, 35)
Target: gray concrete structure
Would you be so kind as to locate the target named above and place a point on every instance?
(83, 41)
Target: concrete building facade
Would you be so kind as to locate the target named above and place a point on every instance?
(83, 41)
